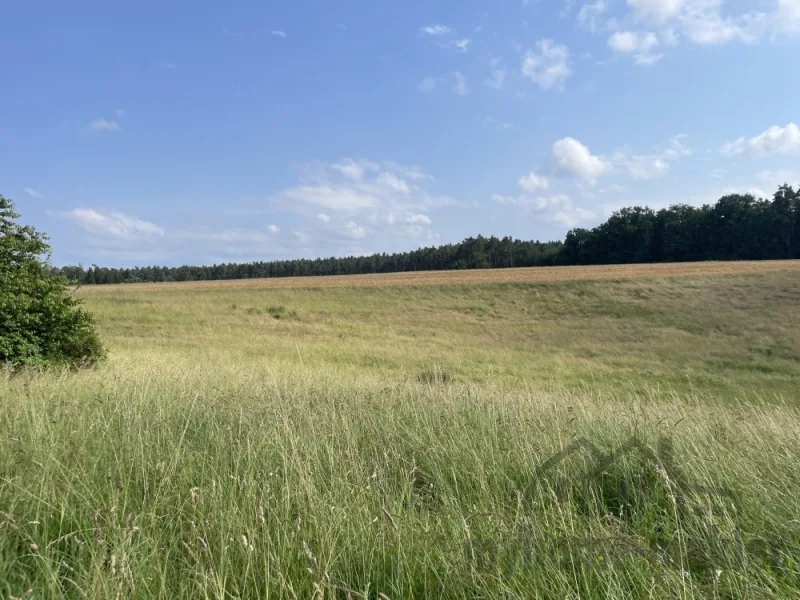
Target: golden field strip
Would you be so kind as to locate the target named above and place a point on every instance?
(521, 275)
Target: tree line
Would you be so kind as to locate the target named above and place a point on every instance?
(737, 227)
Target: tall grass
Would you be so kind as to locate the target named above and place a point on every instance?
(566, 440)
(151, 480)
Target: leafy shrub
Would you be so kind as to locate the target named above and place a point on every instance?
(40, 321)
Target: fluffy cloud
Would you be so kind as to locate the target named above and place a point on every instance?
(589, 14)
(354, 169)
(461, 45)
(639, 44)
(103, 125)
(557, 208)
(549, 67)
(775, 140)
(33, 193)
(355, 231)
(360, 199)
(788, 15)
(573, 158)
(646, 167)
(115, 225)
(703, 22)
(532, 183)
(331, 197)
(436, 30)
(657, 11)
(418, 219)
(394, 182)
(574, 216)
(460, 87)
(676, 148)
(631, 41)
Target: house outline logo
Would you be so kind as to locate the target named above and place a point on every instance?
(662, 460)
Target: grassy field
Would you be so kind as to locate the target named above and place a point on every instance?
(609, 432)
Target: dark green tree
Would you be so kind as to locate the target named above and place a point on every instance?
(40, 321)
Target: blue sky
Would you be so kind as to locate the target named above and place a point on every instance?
(193, 132)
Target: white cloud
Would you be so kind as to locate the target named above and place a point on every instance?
(549, 67)
(713, 30)
(573, 216)
(355, 231)
(460, 86)
(34, 193)
(331, 197)
(461, 45)
(436, 30)
(676, 148)
(418, 219)
(647, 60)
(734, 148)
(557, 208)
(394, 182)
(104, 125)
(632, 41)
(427, 85)
(273, 228)
(573, 158)
(378, 201)
(703, 22)
(533, 183)
(775, 140)
(753, 191)
(497, 78)
(279, 33)
(657, 11)
(639, 44)
(646, 167)
(590, 13)
(718, 173)
(353, 169)
(788, 15)
(114, 224)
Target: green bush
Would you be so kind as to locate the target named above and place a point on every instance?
(41, 323)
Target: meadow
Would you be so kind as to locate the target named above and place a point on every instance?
(598, 432)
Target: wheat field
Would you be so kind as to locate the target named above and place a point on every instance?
(609, 432)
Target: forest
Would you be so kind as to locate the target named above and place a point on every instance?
(736, 227)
